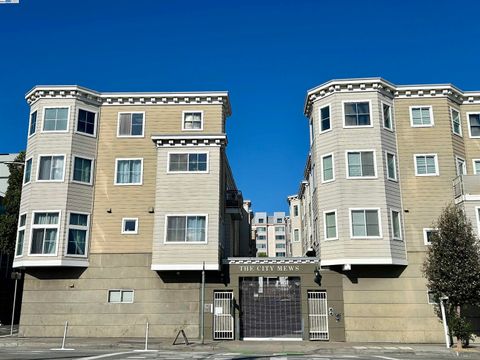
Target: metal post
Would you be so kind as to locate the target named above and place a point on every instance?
(202, 304)
(444, 319)
(146, 338)
(64, 335)
(13, 309)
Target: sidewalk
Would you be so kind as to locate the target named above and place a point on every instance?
(257, 347)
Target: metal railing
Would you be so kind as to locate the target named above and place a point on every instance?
(233, 199)
(466, 185)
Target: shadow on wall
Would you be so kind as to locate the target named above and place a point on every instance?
(371, 272)
(54, 274)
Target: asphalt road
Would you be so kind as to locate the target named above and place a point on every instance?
(84, 354)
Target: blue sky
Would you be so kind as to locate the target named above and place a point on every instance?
(267, 54)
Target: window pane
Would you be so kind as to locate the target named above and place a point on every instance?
(354, 164)
(82, 170)
(137, 124)
(76, 242)
(129, 171)
(391, 166)
(421, 165)
(125, 124)
(431, 168)
(178, 162)
(331, 228)
(477, 167)
(176, 228)
(23, 220)
(371, 217)
(57, 168)
(325, 118)
(28, 171)
(46, 218)
(426, 116)
(114, 296)
(358, 223)
(416, 116)
(21, 239)
(127, 296)
(475, 124)
(33, 123)
(86, 122)
(387, 121)
(396, 224)
(130, 225)
(327, 168)
(368, 166)
(45, 167)
(37, 241)
(196, 228)
(49, 242)
(79, 219)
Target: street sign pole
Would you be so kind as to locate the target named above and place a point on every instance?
(15, 275)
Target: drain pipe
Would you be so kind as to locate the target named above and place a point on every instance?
(202, 306)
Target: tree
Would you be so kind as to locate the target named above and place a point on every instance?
(11, 203)
(452, 265)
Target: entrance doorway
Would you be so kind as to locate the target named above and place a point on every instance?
(270, 308)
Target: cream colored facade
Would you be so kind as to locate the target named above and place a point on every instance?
(123, 190)
(382, 165)
(271, 234)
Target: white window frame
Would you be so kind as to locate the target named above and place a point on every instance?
(20, 228)
(30, 123)
(395, 178)
(128, 184)
(425, 238)
(392, 210)
(333, 167)
(392, 128)
(192, 111)
(432, 121)
(320, 118)
(361, 177)
(31, 170)
(380, 232)
(428, 298)
(464, 165)
(474, 171)
(437, 170)
(188, 153)
(78, 227)
(130, 136)
(452, 109)
(45, 226)
(74, 156)
(43, 119)
(297, 230)
(325, 224)
(369, 111)
(469, 128)
(121, 296)
(185, 242)
(124, 220)
(477, 214)
(94, 125)
(38, 168)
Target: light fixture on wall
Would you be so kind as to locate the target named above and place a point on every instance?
(151, 210)
(109, 210)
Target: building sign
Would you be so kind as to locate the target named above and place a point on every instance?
(268, 268)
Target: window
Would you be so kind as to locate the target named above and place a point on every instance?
(361, 164)
(130, 226)
(476, 166)
(128, 171)
(357, 114)
(427, 235)
(27, 176)
(456, 122)
(279, 220)
(432, 298)
(55, 119)
(33, 124)
(192, 120)
(21, 234)
(391, 167)
(330, 231)
(191, 228)
(421, 116)
(295, 210)
(44, 233)
(396, 225)
(280, 254)
(279, 229)
(261, 228)
(280, 246)
(77, 234)
(86, 122)
(261, 237)
(51, 167)
(195, 162)
(279, 237)
(261, 221)
(120, 296)
(474, 125)
(261, 246)
(460, 166)
(130, 124)
(82, 170)
(477, 211)
(387, 116)
(365, 223)
(325, 119)
(311, 131)
(426, 165)
(296, 235)
(327, 168)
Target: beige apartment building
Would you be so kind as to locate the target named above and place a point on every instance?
(271, 234)
(384, 160)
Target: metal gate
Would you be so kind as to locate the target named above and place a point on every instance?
(223, 315)
(318, 315)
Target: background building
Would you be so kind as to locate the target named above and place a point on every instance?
(384, 160)
(271, 234)
(294, 227)
(4, 174)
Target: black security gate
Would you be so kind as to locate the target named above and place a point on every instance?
(270, 308)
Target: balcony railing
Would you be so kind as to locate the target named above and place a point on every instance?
(466, 185)
(233, 199)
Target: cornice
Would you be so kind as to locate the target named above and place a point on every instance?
(389, 89)
(129, 98)
(271, 261)
(189, 140)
